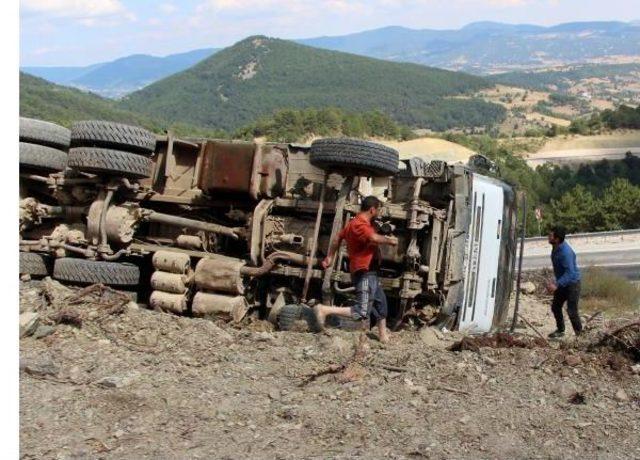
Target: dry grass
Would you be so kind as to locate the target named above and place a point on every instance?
(498, 93)
(429, 148)
(615, 139)
(536, 116)
(604, 291)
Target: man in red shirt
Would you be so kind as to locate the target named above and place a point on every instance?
(362, 249)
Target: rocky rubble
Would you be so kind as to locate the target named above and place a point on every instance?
(113, 380)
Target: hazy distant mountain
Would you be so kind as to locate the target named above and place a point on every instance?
(488, 47)
(48, 101)
(260, 75)
(481, 47)
(122, 76)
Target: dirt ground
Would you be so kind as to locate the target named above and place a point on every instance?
(616, 139)
(429, 148)
(124, 382)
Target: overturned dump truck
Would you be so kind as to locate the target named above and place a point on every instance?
(216, 228)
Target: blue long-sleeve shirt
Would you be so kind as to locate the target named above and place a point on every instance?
(565, 266)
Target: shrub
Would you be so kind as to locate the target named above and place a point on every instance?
(605, 290)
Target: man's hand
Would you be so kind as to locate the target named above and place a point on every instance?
(391, 240)
(551, 287)
(326, 262)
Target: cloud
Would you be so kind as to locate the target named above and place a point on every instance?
(167, 8)
(87, 13)
(73, 8)
(508, 2)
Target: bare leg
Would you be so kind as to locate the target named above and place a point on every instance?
(382, 330)
(322, 311)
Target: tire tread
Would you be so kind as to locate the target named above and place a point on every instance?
(42, 157)
(97, 133)
(354, 156)
(93, 272)
(32, 263)
(45, 133)
(109, 162)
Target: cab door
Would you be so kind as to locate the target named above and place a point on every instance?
(481, 256)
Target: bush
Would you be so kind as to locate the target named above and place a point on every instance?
(290, 125)
(534, 132)
(604, 290)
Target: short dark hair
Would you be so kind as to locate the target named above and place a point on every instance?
(559, 232)
(370, 202)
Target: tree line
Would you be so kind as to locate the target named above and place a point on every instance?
(622, 117)
(599, 196)
(300, 125)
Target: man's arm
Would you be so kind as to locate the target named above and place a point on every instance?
(382, 239)
(366, 233)
(333, 248)
(567, 269)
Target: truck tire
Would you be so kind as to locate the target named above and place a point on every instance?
(44, 133)
(83, 271)
(34, 264)
(41, 157)
(95, 133)
(354, 157)
(290, 314)
(109, 162)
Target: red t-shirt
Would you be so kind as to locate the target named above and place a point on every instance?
(357, 233)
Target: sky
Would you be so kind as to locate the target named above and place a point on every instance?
(82, 32)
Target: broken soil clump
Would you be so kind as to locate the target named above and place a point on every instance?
(498, 340)
(623, 338)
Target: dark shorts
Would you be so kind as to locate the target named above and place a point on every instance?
(370, 298)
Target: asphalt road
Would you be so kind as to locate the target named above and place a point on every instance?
(624, 261)
(580, 155)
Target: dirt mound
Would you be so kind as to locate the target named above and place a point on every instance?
(111, 380)
(622, 338)
(499, 340)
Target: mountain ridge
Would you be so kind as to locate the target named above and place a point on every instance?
(483, 47)
(260, 75)
(488, 47)
(123, 75)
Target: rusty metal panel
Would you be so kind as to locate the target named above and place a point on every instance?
(271, 177)
(227, 167)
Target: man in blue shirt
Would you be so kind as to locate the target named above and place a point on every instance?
(567, 285)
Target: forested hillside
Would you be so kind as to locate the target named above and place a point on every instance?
(121, 76)
(299, 125)
(259, 75)
(563, 79)
(63, 105)
(597, 196)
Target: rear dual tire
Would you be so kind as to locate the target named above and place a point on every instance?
(111, 149)
(41, 158)
(95, 160)
(41, 132)
(118, 136)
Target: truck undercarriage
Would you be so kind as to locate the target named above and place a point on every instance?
(222, 228)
